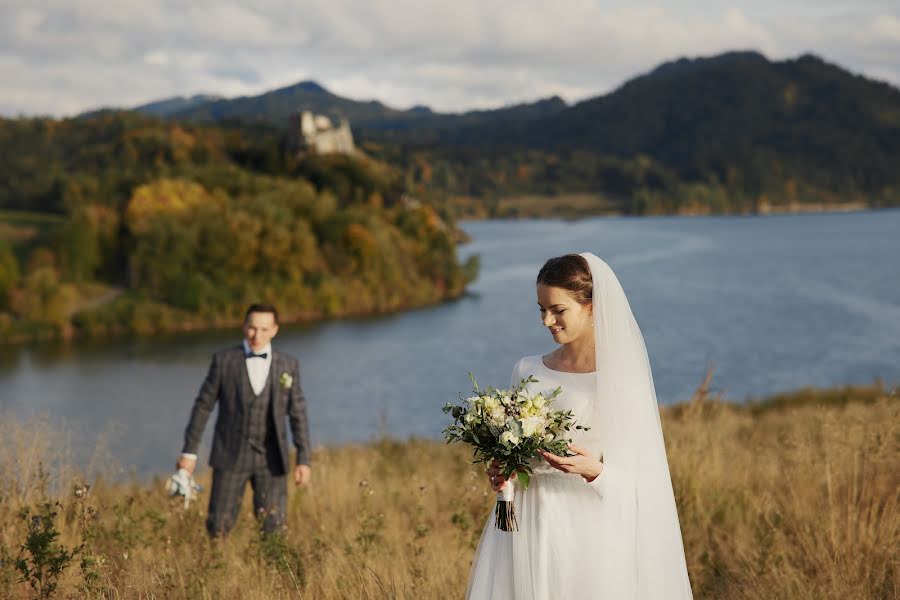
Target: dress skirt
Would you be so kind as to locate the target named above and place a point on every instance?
(553, 555)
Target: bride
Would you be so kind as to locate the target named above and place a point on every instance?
(600, 523)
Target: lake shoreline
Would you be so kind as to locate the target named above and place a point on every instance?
(190, 324)
(561, 210)
(71, 334)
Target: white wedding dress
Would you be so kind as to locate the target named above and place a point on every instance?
(553, 554)
(618, 537)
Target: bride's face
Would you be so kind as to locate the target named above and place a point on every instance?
(566, 318)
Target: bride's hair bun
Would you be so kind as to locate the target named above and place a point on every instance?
(570, 272)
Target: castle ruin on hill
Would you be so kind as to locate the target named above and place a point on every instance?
(316, 134)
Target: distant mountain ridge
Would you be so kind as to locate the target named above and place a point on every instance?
(276, 106)
(797, 128)
(737, 119)
(684, 65)
(683, 97)
(688, 96)
(171, 106)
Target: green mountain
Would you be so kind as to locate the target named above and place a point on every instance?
(703, 116)
(734, 132)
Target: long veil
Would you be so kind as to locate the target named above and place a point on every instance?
(642, 551)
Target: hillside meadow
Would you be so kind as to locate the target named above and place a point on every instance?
(795, 496)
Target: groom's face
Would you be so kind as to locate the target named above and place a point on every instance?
(259, 329)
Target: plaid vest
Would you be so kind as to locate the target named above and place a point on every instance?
(257, 430)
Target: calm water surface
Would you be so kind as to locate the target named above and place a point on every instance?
(777, 303)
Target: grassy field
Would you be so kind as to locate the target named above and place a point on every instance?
(797, 497)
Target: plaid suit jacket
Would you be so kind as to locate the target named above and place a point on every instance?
(224, 384)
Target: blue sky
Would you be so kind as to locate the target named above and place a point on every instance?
(60, 57)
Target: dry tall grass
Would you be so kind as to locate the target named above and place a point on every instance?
(798, 497)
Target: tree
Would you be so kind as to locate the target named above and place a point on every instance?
(9, 273)
(79, 247)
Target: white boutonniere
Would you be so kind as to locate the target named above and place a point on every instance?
(286, 380)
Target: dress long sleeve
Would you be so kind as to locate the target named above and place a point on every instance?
(600, 483)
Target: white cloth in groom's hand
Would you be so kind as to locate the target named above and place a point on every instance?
(182, 484)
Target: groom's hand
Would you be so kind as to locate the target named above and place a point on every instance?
(302, 474)
(187, 463)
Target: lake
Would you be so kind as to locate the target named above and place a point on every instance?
(776, 303)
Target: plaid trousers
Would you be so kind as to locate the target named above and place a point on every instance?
(228, 485)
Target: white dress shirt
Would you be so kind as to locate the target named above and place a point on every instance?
(258, 368)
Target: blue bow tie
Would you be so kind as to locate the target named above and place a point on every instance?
(262, 355)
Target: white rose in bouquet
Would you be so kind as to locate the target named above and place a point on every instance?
(533, 425)
(508, 438)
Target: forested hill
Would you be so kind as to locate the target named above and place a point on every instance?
(126, 223)
(703, 117)
(730, 133)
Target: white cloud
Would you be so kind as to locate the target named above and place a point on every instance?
(61, 57)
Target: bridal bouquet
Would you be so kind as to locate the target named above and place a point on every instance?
(509, 426)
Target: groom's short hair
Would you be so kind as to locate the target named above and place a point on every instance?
(261, 307)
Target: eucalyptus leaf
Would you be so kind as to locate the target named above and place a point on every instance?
(524, 478)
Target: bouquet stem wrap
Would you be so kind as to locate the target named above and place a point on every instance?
(505, 511)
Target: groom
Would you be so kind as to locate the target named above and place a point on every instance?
(256, 388)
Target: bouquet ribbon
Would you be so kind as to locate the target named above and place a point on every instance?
(505, 511)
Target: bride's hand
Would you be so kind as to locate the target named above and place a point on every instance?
(583, 462)
(498, 481)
